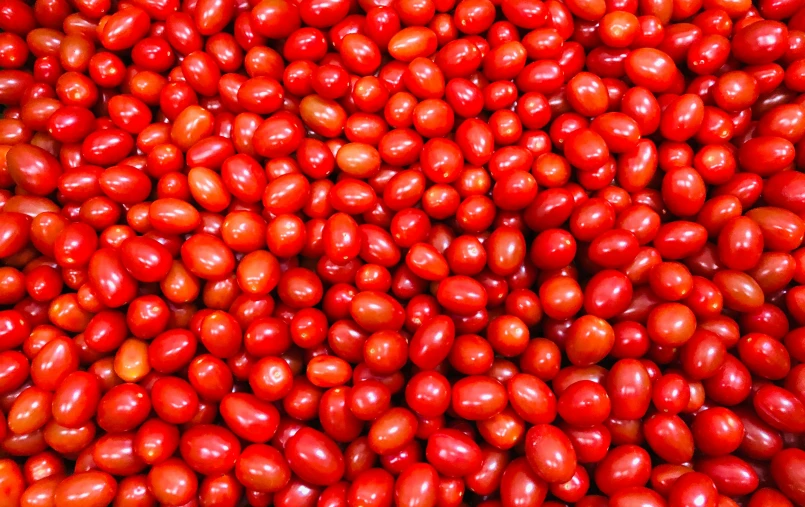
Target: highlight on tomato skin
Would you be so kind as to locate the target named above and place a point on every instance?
(410, 253)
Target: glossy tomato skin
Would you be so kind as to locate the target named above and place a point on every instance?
(623, 466)
(313, 455)
(209, 450)
(731, 474)
(453, 454)
(73, 490)
(428, 253)
(262, 468)
(550, 453)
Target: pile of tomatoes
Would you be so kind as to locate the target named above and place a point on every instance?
(410, 253)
